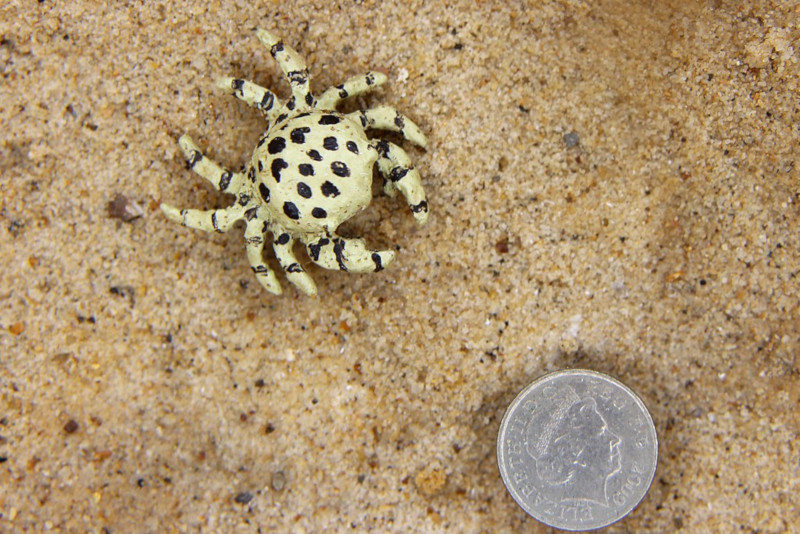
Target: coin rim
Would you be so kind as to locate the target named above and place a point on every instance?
(518, 400)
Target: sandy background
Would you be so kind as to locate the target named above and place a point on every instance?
(613, 185)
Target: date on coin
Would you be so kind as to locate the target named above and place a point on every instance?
(577, 450)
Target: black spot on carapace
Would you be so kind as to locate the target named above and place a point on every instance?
(214, 221)
(399, 122)
(260, 269)
(342, 91)
(260, 166)
(369, 78)
(313, 154)
(309, 99)
(251, 214)
(340, 169)
(329, 190)
(251, 173)
(319, 213)
(329, 119)
(225, 180)
(306, 169)
(244, 199)
(264, 191)
(303, 190)
(298, 135)
(276, 146)
(352, 147)
(277, 166)
(236, 85)
(376, 258)
(283, 239)
(290, 104)
(291, 210)
(330, 143)
(277, 47)
(281, 118)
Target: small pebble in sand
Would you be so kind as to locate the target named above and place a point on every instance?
(278, 481)
(243, 497)
(571, 139)
(124, 208)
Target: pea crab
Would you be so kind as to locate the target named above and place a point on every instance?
(310, 172)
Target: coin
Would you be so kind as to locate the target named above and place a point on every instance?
(577, 450)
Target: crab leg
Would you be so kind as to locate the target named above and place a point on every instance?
(207, 220)
(344, 254)
(294, 271)
(351, 87)
(388, 118)
(254, 241)
(254, 95)
(400, 174)
(221, 178)
(293, 67)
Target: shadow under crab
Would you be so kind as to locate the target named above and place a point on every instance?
(310, 172)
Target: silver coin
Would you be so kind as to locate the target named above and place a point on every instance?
(577, 450)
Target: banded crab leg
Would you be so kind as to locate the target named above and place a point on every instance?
(395, 165)
(254, 95)
(334, 252)
(221, 178)
(254, 242)
(388, 118)
(220, 220)
(351, 87)
(293, 67)
(295, 273)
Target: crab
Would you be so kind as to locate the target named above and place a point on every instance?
(310, 171)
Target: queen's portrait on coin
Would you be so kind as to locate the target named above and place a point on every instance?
(575, 451)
